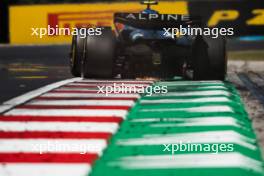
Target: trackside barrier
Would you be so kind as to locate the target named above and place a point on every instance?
(72, 15)
(209, 112)
(246, 18)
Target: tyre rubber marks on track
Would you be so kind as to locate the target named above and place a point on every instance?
(257, 91)
(60, 121)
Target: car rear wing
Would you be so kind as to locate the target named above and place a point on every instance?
(154, 21)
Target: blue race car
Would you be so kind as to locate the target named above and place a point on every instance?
(145, 45)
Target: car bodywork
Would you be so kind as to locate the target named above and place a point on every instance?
(141, 45)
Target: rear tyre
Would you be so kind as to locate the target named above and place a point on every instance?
(76, 55)
(99, 55)
(209, 58)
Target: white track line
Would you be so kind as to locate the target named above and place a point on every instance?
(201, 109)
(197, 93)
(83, 102)
(108, 84)
(210, 87)
(117, 81)
(67, 112)
(30, 95)
(220, 160)
(97, 90)
(193, 100)
(192, 83)
(90, 95)
(59, 126)
(44, 169)
(52, 145)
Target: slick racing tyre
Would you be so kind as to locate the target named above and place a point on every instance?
(99, 55)
(209, 56)
(76, 55)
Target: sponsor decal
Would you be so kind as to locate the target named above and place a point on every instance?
(160, 17)
(80, 19)
(246, 18)
(72, 16)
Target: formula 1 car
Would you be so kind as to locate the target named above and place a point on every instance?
(138, 47)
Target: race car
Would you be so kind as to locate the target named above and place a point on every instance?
(141, 45)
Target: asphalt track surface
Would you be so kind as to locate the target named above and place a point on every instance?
(25, 68)
(72, 112)
(254, 87)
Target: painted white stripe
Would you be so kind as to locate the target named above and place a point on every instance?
(117, 81)
(176, 83)
(63, 88)
(193, 100)
(211, 87)
(89, 95)
(59, 126)
(44, 169)
(178, 119)
(4, 107)
(196, 86)
(203, 109)
(209, 137)
(83, 102)
(224, 121)
(96, 90)
(67, 112)
(52, 146)
(108, 84)
(197, 93)
(220, 160)
(23, 98)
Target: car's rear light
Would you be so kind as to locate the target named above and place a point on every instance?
(119, 26)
